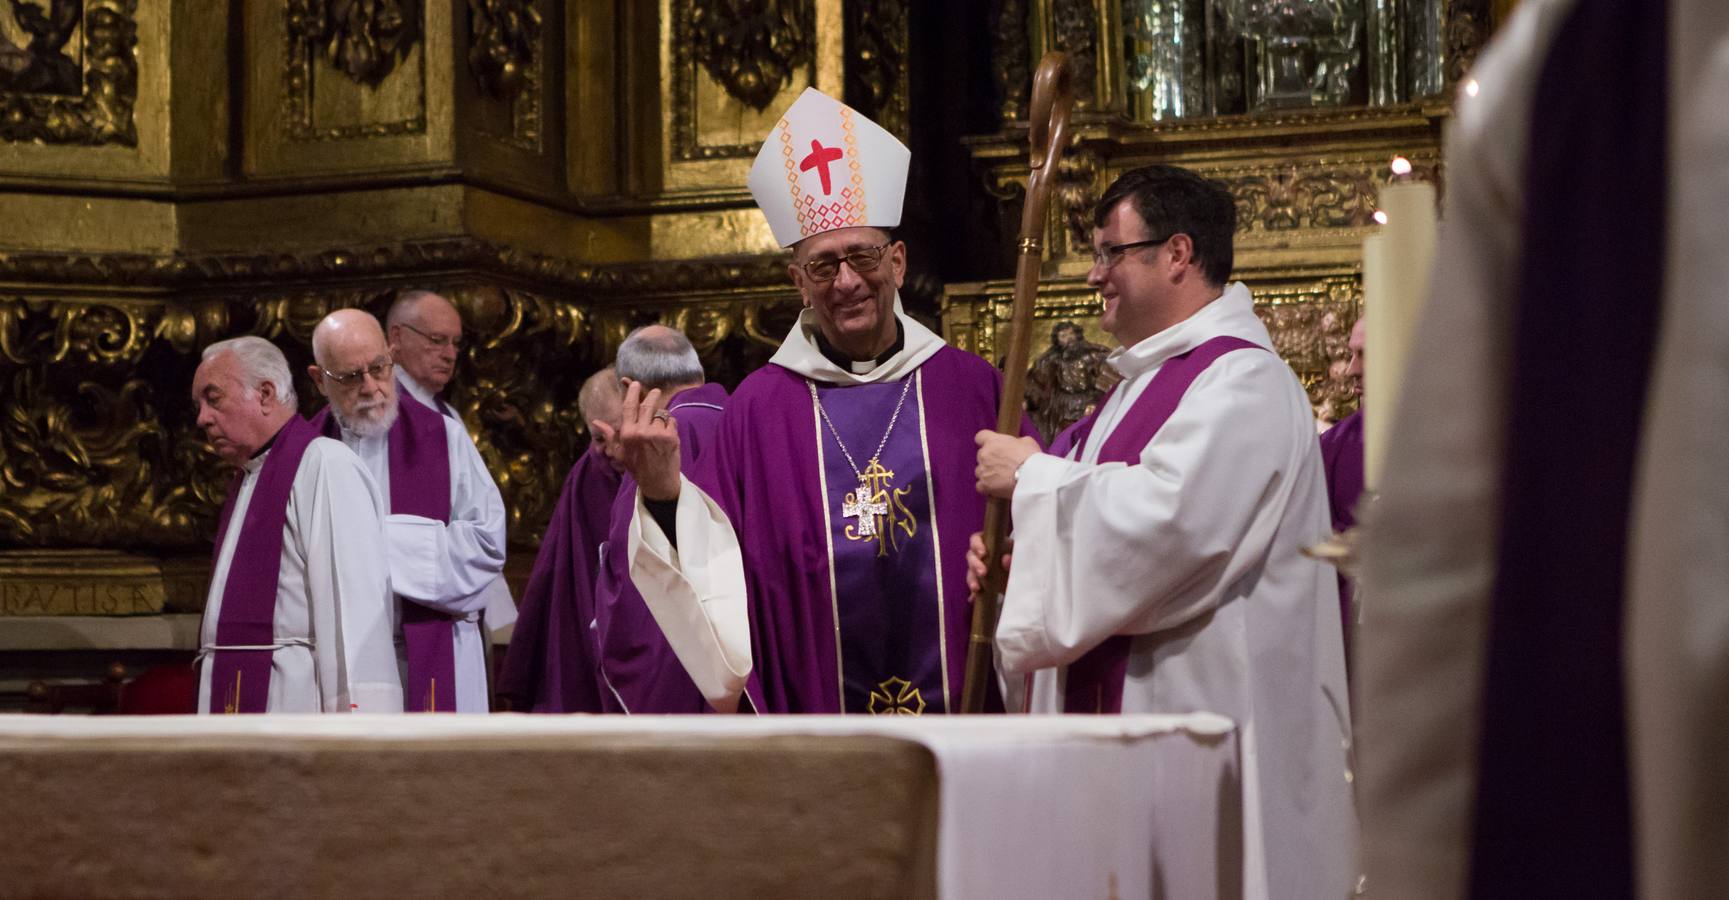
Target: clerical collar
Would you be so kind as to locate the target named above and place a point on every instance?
(266, 448)
(861, 367)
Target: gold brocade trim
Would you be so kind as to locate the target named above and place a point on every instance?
(828, 543)
(936, 543)
(896, 697)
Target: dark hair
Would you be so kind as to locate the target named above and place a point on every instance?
(1173, 200)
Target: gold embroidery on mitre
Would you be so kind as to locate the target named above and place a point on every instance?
(896, 697)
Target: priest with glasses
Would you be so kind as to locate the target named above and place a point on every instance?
(812, 561)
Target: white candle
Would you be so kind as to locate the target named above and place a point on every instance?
(1393, 296)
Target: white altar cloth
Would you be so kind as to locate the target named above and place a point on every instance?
(1029, 806)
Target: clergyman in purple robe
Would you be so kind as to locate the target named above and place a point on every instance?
(552, 664)
(639, 670)
(816, 558)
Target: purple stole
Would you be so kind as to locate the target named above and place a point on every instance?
(1095, 682)
(248, 615)
(891, 636)
(419, 460)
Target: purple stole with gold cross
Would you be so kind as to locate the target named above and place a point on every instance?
(419, 460)
(246, 624)
(1095, 681)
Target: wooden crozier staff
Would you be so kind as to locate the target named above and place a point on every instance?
(1053, 96)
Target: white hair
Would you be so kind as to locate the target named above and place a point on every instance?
(407, 302)
(261, 363)
(659, 360)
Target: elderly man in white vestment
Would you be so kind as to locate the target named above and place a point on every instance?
(324, 617)
(441, 559)
(1544, 659)
(1160, 565)
(425, 333)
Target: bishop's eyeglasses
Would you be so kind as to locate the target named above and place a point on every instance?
(1110, 254)
(379, 371)
(826, 268)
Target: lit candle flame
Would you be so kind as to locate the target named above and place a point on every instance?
(1471, 88)
(1380, 217)
(1401, 166)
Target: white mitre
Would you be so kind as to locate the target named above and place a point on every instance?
(824, 167)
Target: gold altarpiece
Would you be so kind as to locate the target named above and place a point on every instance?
(183, 171)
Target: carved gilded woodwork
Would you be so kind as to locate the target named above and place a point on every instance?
(1467, 25)
(363, 39)
(752, 47)
(876, 53)
(57, 99)
(505, 59)
(1011, 48)
(503, 42)
(1075, 31)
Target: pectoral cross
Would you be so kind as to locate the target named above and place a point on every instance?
(859, 505)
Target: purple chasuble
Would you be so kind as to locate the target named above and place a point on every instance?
(811, 625)
(246, 624)
(551, 664)
(1342, 458)
(639, 671)
(1095, 681)
(419, 460)
(883, 554)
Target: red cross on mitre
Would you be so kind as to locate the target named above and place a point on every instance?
(819, 159)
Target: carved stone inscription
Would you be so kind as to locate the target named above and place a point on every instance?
(66, 598)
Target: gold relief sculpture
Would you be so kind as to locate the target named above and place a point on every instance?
(751, 47)
(876, 71)
(504, 58)
(1010, 45)
(1288, 198)
(503, 36)
(74, 79)
(1078, 190)
(1075, 31)
(364, 39)
(1467, 24)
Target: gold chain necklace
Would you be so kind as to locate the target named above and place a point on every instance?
(863, 503)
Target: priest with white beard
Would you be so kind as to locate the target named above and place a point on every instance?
(1161, 566)
(445, 532)
(299, 615)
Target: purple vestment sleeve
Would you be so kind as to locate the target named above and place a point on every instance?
(552, 663)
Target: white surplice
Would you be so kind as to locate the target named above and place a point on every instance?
(1196, 552)
(1430, 560)
(697, 592)
(447, 566)
(500, 611)
(334, 623)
